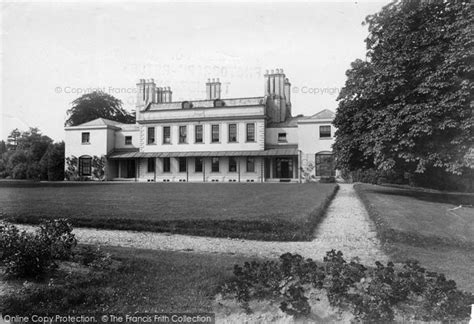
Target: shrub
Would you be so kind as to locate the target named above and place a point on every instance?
(25, 254)
(372, 295)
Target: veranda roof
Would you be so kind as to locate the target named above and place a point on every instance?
(269, 152)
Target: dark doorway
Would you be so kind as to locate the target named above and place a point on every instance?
(284, 168)
(130, 164)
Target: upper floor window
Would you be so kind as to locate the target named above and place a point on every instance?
(198, 164)
(198, 133)
(281, 137)
(215, 133)
(128, 140)
(182, 164)
(215, 164)
(183, 133)
(232, 133)
(166, 135)
(85, 138)
(151, 164)
(232, 164)
(324, 131)
(166, 164)
(151, 135)
(251, 132)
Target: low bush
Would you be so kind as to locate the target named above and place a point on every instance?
(371, 294)
(26, 254)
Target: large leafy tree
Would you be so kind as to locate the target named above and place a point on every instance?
(408, 106)
(95, 105)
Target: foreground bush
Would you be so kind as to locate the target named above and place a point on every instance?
(372, 295)
(25, 254)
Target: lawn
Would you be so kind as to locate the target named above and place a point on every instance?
(253, 211)
(425, 225)
(144, 281)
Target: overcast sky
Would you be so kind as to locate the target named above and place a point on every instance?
(52, 52)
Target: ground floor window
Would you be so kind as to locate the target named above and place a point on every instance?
(232, 164)
(250, 165)
(182, 164)
(151, 164)
(85, 166)
(198, 165)
(166, 164)
(215, 164)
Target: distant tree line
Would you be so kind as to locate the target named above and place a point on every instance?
(31, 155)
(405, 112)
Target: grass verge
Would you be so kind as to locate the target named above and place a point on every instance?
(421, 225)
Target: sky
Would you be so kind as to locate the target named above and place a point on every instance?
(52, 53)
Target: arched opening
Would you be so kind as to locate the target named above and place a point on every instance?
(325, 164)
(85, 165)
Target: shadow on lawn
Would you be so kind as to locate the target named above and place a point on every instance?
(436, 197)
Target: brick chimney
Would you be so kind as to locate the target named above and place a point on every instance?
(213, 89)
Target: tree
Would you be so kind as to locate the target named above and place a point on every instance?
(52, 162)
(408, 106)
(95, 105)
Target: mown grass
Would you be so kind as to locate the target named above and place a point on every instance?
(424, 225)
(144, 281)
(281, 212)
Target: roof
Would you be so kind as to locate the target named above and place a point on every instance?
(289, 122)
(269, 152)
(103, 123)
(324, 114)
(208, 103)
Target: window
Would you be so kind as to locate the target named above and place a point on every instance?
(166, 135)
(86, 138)
(198, 165)
(232, 133)
(250, 165)
(182, 164)
(166, 164)
(151, 164)
(324, 131)
(281, 137)
(215, 134)
(85, 166)
(215, 164)
(128, 140)
(151, 135)
(232, 164)
(250, 132)
(183, 132)
(198, 133)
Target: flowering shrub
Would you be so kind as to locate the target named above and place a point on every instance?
(26, 254)
(371, 294)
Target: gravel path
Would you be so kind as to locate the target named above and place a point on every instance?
(347, 227)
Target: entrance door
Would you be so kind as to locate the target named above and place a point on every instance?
(284, 168)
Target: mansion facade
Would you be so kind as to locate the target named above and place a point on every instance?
(212, 140)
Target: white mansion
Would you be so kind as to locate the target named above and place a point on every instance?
(212, 140)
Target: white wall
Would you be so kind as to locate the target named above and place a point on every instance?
(98, 142)
(309, 141)
(207, 175)
(120, 139)
(191, 146)
(271, 135)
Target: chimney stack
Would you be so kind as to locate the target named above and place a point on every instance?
(213, 89)
(277, 89)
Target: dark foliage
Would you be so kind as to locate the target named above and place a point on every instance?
(95, 105)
